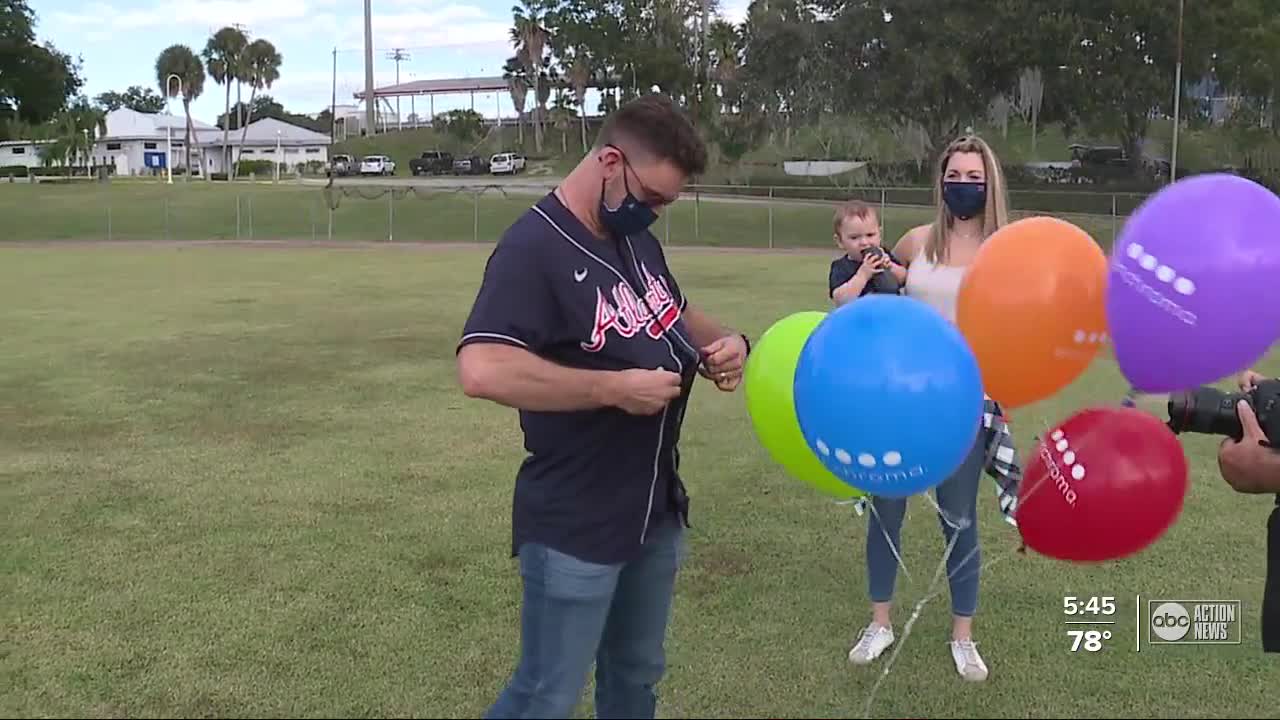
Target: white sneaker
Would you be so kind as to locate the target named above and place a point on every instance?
(873, 641)
(968, 662)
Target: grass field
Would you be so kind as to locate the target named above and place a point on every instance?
(243, 482)
(199, 211)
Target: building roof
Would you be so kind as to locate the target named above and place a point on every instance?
(124, 123)
(264, 132)
(438, 87)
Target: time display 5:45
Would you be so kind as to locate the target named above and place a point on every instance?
(1092, 605)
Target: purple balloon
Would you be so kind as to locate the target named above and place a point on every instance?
(1194, 285)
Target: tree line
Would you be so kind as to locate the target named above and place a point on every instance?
(924, 68)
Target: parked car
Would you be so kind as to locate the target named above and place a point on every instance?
(342, 165)
(473, 165)
(432, 162)
(506, 163)
(377, 165)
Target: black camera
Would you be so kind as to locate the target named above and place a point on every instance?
(1213, 412)
(872, 251)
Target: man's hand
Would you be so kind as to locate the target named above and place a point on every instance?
(1248, 466)
(723, 361)
(1249, 380)
(642, 392)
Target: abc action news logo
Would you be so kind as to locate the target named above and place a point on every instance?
(1193, 622)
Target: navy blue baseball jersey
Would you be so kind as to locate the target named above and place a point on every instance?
(595, 483)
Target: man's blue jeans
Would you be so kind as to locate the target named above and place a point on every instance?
(575, 612)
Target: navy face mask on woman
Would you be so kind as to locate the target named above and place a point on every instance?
(631, 216)
(964, 199)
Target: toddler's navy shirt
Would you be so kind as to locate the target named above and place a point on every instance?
(843, 269)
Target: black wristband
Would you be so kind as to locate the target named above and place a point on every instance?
(746, 342)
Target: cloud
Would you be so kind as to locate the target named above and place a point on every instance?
(404, 23)
(178, 13)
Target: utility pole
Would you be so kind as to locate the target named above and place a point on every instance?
(398, 55)
(370, 106)
(239, 105)
(1177, 101)
(333, 102)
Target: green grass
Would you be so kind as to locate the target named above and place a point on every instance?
(199, 211)
(243, 482)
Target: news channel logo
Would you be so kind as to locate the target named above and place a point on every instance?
(1193, 622)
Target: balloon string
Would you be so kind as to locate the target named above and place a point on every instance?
(934, 591)
(894, 548)
(935, 588)
(930, 594)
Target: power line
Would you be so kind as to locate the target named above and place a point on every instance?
(398, 55)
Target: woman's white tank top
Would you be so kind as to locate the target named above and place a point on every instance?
(937, 285)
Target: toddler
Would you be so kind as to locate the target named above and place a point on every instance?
(865, 267)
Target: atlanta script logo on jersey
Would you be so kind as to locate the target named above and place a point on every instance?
(623, 312)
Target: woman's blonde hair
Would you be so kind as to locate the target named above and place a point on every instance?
(996, 213)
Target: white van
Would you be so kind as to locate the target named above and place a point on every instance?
(506, 163)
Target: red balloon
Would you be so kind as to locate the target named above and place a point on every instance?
(1105, 484)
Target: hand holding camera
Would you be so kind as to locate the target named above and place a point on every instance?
(1211, 411)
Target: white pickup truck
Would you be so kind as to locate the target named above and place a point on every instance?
(506, 163)
(377, 165)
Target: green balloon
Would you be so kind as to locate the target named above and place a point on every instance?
(768, 382)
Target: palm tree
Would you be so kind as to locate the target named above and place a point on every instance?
(181, 61)
(518, 85)
(222, 56)
(528, 33)
(262, 68)
(580, 77)
(74, 131)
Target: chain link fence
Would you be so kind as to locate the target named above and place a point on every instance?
(479, 212)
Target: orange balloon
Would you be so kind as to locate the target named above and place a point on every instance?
(1033, 308)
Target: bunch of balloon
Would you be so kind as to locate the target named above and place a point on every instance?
(768, 382)
(1105, 482)
(888, 395)
(1190, 298)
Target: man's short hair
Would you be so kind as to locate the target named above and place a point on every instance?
(657, 126)
(852, 208)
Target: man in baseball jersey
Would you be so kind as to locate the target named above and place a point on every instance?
(581, 326)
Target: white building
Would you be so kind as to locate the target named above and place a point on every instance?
(267, 139)
(25, 153)
(147, 143)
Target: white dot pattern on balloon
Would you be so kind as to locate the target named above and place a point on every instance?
(1092, 338)
(1063, 446)
(1163, 273)
(892, 458)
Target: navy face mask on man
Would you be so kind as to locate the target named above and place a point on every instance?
(631, 216)
(964, 199)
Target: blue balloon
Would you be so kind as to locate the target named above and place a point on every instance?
(889, 395)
